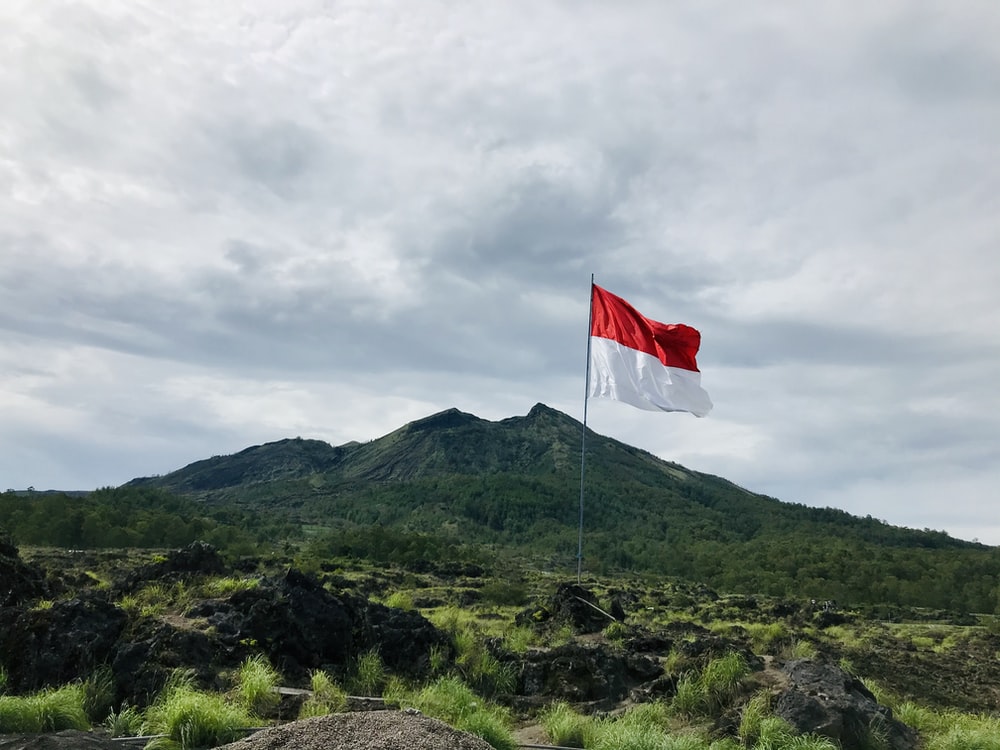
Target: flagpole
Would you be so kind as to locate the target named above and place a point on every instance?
(583, 440)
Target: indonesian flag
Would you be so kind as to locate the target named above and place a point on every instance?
(642, 362)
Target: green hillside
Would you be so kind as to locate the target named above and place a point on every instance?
(512, 487)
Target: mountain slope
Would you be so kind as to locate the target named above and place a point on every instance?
(513, 485)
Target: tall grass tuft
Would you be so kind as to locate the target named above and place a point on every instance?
(99, 694)
(327, 696)
(401, 600)
(49, 710)
(752, 717)
(965, 738)
(618, 735)
(808, 742)
(711, 690)
(453, 702)
(368, 674)
(689, 697)
(256, 686)
(721, 679)
(192, 718)
(564, 726)
(126, 722)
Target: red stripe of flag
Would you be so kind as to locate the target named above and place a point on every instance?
(675, 345)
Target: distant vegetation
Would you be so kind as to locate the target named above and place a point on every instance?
(452, 487)
(135, 517)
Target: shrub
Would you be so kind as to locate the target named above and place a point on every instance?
(504, 593)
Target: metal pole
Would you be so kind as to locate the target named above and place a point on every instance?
(583, 441)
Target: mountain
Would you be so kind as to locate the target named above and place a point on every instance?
(513, 485)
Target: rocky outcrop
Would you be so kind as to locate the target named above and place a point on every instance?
(292, 619)
(825, 700)
(585, 673)
(572, 605)
(19, 582)
(58, 644)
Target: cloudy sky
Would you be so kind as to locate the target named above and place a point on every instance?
(227, 223)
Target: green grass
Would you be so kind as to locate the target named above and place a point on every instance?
(768, 638)
(327, 697)
(99, 694)
(564, 726)
(708, 692)
(401, 600)
(256, 686)
(193, 718)
(49, 710)
(367, 674)
(126, 722)
(228, 585)
(452, 701)
(951, 730)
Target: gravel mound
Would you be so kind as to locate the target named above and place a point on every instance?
(68, 739)
(367, 730)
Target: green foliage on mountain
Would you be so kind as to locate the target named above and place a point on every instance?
(133, 517)
(453, 485)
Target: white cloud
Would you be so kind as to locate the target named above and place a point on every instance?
(231, 220)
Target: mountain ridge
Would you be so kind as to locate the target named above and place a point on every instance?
(543, 444)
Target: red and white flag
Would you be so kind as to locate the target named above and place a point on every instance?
(642, 362)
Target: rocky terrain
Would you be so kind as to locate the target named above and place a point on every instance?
(66, 614)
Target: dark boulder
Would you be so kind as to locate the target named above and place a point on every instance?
(825, 700)
(585, 673)
(59, 644)
(19, 582)
(295, 622)
(67, 739)
(198, 558)
(577, 606)
(403, 639)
